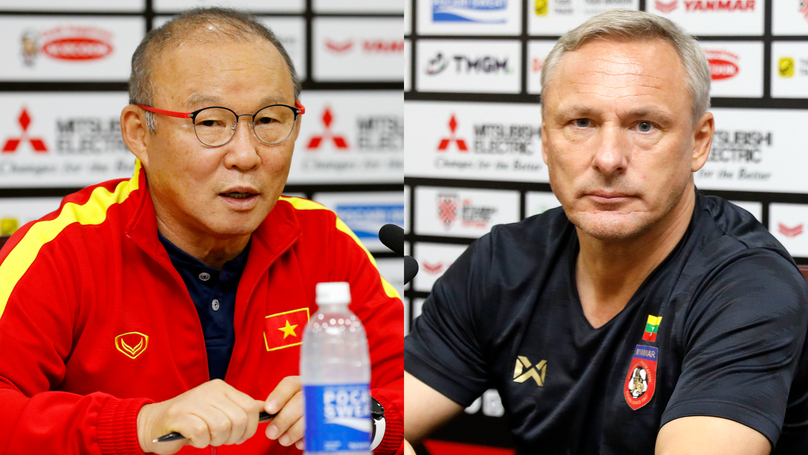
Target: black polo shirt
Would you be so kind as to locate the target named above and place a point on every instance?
(733, 309)
(214, 295)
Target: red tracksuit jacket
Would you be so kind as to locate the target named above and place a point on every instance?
(95, 321)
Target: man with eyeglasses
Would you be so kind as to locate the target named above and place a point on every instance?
(175, 301)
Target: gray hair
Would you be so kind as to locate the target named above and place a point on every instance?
(227, 23)
(639, 26)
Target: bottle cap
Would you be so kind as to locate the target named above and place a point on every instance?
(333, 293)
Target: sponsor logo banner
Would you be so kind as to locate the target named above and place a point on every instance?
(469, 17)
(790, 17)
(474, 141)
(366, 213)
(15, 212)
(539, 202)
(255, 6)
(457, 212)
(350, 137)
(62, 139)
(789, 70)
(433, 260)
(68, 48)
(753, 150)
(787, 223)
(712, 17)
(359, 49)
(469, 66)
(555, 17)
(357, 6)
(536, 53)
(78, 5)
(736, 69)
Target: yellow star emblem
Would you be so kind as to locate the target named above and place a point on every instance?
(289, 329)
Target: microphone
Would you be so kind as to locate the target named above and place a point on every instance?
(392, 237)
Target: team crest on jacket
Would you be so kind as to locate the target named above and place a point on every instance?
(132, 344)
(284, 330)
(641, 378)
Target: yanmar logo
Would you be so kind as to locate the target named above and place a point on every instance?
(706, 5)
(433, 269)
(790, 232)
(36, 143)
(366, 46)
(723, 64)
(67, 43)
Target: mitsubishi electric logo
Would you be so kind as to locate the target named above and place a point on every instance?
(524, 371)
(12, 143)
(339, 141)
(445, 142)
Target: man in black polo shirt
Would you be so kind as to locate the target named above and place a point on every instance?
(643, 317)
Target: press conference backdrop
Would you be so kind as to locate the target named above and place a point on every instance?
(473, 131)
(63, 78)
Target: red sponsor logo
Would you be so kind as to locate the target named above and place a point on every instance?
(368, 46)
(666, 7)
(536, 64)
(720, 5)
(338, 47)
(432, 269)
(445, 142)
(77, 43)
(789, 231)
(723, 64)
(12, 143)
(447, 209)
(339, 141)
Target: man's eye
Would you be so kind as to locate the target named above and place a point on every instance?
(645, 127)
(582, 122)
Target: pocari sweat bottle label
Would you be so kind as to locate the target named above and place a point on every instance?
(337, 418)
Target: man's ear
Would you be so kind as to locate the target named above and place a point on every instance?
(135, 133)
(702, 141)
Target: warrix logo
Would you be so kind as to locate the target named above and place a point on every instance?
(12, 143)
(339, 141)
(789, 232)
(524, 371)
(445, 142)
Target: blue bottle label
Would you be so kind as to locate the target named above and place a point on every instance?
(337, 418)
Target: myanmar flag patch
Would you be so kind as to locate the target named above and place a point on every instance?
(284, 330)
(651, 328)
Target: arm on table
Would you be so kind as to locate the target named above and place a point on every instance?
(425, 409)
(709, 436)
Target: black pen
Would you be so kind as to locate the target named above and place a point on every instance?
(262, 417)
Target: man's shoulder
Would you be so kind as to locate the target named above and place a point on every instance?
(536, 234)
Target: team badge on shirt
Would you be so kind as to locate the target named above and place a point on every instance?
(284, 330)
(641, 377)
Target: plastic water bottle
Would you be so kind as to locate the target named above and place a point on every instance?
(335, 372)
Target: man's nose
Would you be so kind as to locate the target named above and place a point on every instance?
(612, 150)
(244, 146)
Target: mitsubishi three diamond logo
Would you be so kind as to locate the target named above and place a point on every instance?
(12, 143)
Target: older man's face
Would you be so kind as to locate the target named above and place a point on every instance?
(618, 137)
(226, 191)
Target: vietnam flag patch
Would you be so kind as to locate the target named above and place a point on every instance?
(651, 328)
(284, 330)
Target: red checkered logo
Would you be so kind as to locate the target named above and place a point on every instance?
(447, 209)
(339, 141)
(445, 142)
(12, 143)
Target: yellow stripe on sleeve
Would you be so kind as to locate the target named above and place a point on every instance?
(305, 204)
(92, 212)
